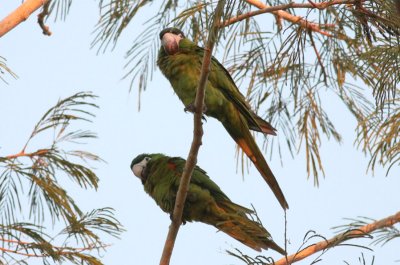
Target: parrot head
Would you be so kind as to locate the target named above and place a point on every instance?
(170, 38)
(139, 164)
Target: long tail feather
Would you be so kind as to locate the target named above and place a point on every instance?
(245, 140)
(232, 207)
(265, 127)
(248, 232)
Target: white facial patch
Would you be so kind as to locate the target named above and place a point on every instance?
(168, 37)
(138, 168)
(170, 42)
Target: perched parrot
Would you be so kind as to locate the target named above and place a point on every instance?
(180, 60)
(205, 202)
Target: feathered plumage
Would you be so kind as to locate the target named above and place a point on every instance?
(180, 61)
(205, 201)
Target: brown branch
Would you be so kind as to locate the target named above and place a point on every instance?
(278, 22)
(42, 16)
(22, 154)
(275, 9)
(318, 55)
(279, 11)
(313, 4)
(14, 241)
(21, 253)
(359, 232)
(197, 136)
(60, 250)
(19, 15)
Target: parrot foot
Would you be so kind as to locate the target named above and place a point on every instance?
(191, 108)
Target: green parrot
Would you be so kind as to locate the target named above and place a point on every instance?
(180, 60)
(205, 202)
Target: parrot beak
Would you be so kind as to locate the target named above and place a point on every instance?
(170, 42)
(138, 168)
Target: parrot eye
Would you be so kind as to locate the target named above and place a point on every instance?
(147, 158)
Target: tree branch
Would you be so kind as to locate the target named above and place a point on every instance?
(23, 154)
(19, 15)
(275, 9)
(197, 136)
(60, 250)
(359, 232)
(297, 19)
(42, 16)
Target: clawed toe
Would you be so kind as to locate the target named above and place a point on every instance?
(191, 108)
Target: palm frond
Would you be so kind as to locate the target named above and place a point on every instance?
(25, 240)
(4, 69)
(378, 135)
(115, 16)
(59, 8)
(39, 171)
(34, 178)
(380, 236)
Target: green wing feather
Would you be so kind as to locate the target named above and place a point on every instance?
(220, 78)
(199, 178)
(205, 201)
(163, 182)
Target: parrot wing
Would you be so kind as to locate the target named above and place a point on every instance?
(163, 175)
(222, 80)
(199, 177)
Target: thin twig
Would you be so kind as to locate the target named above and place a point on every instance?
(313, 4)
(274, 9)
(60, 250)
(318, 56)
(297, 19)
(23, 154)
(42, 16)
(359, 232)
(19, 15)
(197, 136)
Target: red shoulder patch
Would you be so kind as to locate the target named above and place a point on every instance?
(171, 166)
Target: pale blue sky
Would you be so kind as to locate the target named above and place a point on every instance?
(55, 67)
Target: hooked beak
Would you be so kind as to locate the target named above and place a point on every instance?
(170, 42)
(138, 169)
